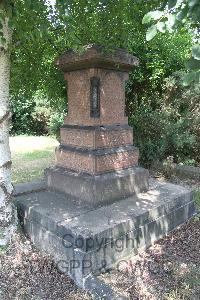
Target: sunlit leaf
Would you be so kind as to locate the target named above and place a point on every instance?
(161, 26)
(147, 18)
(152, 15)
(171, 20)
(151, 32)
(196, 52)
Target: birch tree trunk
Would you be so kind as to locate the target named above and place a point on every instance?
(7, 211)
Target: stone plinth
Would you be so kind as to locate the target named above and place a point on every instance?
(95, 239)
(95, 138)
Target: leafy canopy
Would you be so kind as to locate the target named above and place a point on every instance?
(42, 32)
(172, 15)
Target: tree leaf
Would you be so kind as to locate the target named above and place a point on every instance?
(156, 14)
(188, 78)
(193, 64)
(192, 3)
(152, 15)
(171, 3)
(151, 32)
(171, 20)
(161, 26)
(182, 14)
(147, 18)
(196, 52)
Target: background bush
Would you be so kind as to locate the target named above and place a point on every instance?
(36, 116)
(55, 122)
(171, 129)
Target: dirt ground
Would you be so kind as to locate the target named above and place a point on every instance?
(170, 269)
(27, 274)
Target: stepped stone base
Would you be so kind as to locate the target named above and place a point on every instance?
(84, 240)
(96, 149)
(96, 161)
(98, 189)
(96, 137)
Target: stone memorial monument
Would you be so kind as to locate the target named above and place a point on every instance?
(96, 161)
(98, 206)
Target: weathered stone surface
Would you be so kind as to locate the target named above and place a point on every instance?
(26, 188)
(112, 97)
(96, 161)
(59, 225)
(95, 137)
(98, 189)
(101, 290)
(94, 56)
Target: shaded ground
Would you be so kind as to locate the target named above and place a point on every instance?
(26, 274)
(170, 269)
(30, 156)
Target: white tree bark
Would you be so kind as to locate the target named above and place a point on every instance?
(7, 211)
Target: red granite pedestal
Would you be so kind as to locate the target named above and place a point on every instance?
(96, 160)
(96, 164)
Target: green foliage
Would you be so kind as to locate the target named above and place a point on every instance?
(34, 51)
(55, 122)
(158, 60)
(37, 115)
(170, 17)
(41, 33)
(173, 128)
(30, 116)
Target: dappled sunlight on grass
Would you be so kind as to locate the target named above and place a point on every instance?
(30, 156)
(23, 144)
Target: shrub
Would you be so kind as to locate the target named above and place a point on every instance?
(55, 122)
(29, 115)
(35, 116)
(172, 128)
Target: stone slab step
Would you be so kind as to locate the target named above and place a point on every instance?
(98, 189)
(96, 238)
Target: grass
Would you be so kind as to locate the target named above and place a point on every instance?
(30, 156)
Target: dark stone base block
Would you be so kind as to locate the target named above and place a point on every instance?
(84, 240)
(98, 189)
